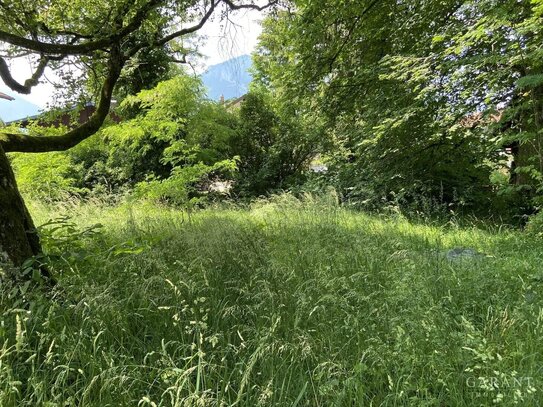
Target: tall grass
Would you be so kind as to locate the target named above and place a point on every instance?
(285, 303)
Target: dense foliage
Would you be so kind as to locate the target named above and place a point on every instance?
(274, 149)
(419, 99)
(171, 144)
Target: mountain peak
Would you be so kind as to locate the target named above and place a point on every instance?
(230, 79)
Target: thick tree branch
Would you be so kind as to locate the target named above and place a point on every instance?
(51, 48)
(38, 144)
(5, 74)
(234, 6)
(86, 47)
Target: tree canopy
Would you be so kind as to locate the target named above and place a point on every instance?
(100, 36)
(399, 84)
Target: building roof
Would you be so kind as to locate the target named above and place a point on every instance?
(234, 103)
(4, 96)
(473, 120)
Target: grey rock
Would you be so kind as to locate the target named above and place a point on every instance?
(461, 253)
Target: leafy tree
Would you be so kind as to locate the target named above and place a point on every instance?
(395, 82)
(257, 134)
(102, 36)
(272, 147)
(144, 71)
(176, 128)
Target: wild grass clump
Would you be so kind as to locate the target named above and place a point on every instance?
(286, 303)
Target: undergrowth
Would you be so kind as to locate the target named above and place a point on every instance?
(285, 303)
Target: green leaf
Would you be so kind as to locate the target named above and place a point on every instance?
(530, 81)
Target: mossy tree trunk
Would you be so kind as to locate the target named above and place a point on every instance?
(525, 155)
(19, 240)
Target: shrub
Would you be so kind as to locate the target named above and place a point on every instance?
(49, 176)
(535, 225)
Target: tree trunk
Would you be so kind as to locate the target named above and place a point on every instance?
(524, 155)
(529, 153)
(18, 238)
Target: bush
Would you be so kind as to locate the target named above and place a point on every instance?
(273, 148)
(534, 226)
(183, 187)
(48, 176)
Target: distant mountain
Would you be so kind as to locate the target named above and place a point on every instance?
(230, 79)
(16, 109)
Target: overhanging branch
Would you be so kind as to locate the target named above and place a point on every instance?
(189, 30)
(250, 6)
(192, 29)
(51, 48)
(86, 47)
(38, 144)
(5, 74)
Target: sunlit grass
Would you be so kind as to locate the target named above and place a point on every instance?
(284, 303)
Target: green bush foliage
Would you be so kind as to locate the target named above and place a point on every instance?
(418, 101)
(534, 226)
(273, 150)
(171, 143)
(50, 176)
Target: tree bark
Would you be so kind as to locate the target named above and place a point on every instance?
(529, 153)
(19, 240)
(524, 155)
(525, 152)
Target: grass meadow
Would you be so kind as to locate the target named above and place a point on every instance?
(285, 302)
